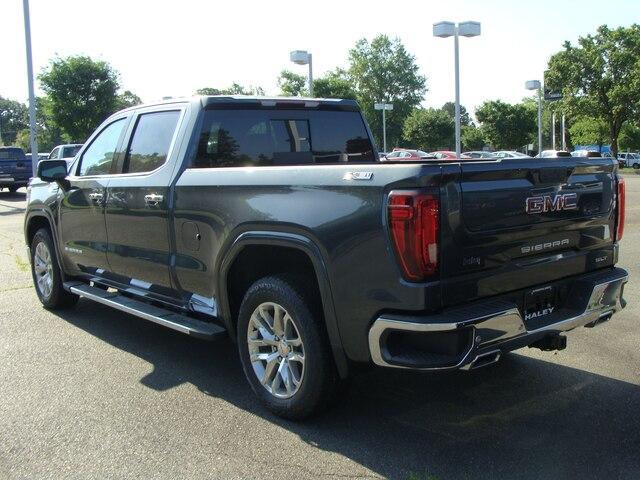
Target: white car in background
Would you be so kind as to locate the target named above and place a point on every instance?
(510, 154)
(65, 152)
(629, 159)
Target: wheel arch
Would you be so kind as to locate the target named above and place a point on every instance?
(299, 243)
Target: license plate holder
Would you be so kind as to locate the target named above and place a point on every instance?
(539, 303)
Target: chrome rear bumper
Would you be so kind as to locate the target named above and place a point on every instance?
(486, 329)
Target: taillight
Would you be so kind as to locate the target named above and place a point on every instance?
(413, 222)
(621, 195)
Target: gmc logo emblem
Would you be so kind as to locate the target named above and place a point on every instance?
(551, 203)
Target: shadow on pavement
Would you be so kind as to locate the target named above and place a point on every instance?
(522, 418)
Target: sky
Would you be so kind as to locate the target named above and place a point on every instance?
(171, 48)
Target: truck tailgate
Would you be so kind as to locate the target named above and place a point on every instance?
(523, 222)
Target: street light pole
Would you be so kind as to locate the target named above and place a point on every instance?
(536, 85)
(310, 75)
(553, 130)
(384, 107)
(32, 97)
(457, 108)
(539, 118)
(564, 138)
(450, 29)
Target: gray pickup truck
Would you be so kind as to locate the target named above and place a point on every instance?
(273, 221)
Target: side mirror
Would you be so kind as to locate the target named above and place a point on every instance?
(52, 170)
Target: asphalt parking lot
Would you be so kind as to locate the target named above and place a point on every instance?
(94, 393)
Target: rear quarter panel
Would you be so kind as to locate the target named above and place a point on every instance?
(343, 218)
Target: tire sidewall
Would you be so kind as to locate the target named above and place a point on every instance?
(307, 398)
(43, 236)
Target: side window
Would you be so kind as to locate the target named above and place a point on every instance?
(54, 154)
(149, 145)
(98, 157)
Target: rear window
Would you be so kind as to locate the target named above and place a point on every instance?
(12, 154)
(234, 138)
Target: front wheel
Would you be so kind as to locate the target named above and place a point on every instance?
(46, 273)
(636, 166)
(284, 348)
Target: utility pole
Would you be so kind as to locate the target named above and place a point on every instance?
(384, 107)
(32, 96)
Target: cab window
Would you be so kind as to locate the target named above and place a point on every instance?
(149, 145)
(98, 158)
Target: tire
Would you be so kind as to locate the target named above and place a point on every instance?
(636, 166)
(312, 383)
(47, 277)
(13, 188)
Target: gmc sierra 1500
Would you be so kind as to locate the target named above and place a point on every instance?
(274, 221)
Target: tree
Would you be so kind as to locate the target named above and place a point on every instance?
(127, 99)
(472, 138)
(630, 137)
(234, 89)
(450, 108)
(428, 129)
(13, 118)
(291, 84)
(507, 126)
(82, 92)
(600, 77)
(589, 131)
(383, 71)
(335, 84)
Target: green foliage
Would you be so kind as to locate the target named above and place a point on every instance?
(127, 99)
(428, 129)
(507, 126)
(383, 71)
(14, 116)
(234, 89)
(335, 84)
(472, 138)
(589, 131)
(82, 92)
(600, 77)
(450, 108)
(291, 84)
(630, 137)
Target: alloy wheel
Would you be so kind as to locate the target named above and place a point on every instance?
(276, 350)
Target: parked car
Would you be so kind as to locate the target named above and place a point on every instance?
(586, 153)
(65, 152)
(15, 168)
(408, 155)
(510, 154)
(629, 159)
(446, 155)
(479, 154)
(272, 221)
(553, 154)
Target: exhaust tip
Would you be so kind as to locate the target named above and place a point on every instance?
(484, 359)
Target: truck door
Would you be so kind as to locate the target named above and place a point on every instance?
(138, 201)
(83, 234)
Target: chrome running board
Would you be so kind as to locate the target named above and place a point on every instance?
(161, 316)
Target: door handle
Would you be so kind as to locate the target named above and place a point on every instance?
(153, 199)
(96, 197)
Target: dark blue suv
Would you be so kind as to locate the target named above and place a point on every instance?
(15, 168)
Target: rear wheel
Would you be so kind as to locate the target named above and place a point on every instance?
(13, 188)
(636, 165)
(46, 273)
(284, 349)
